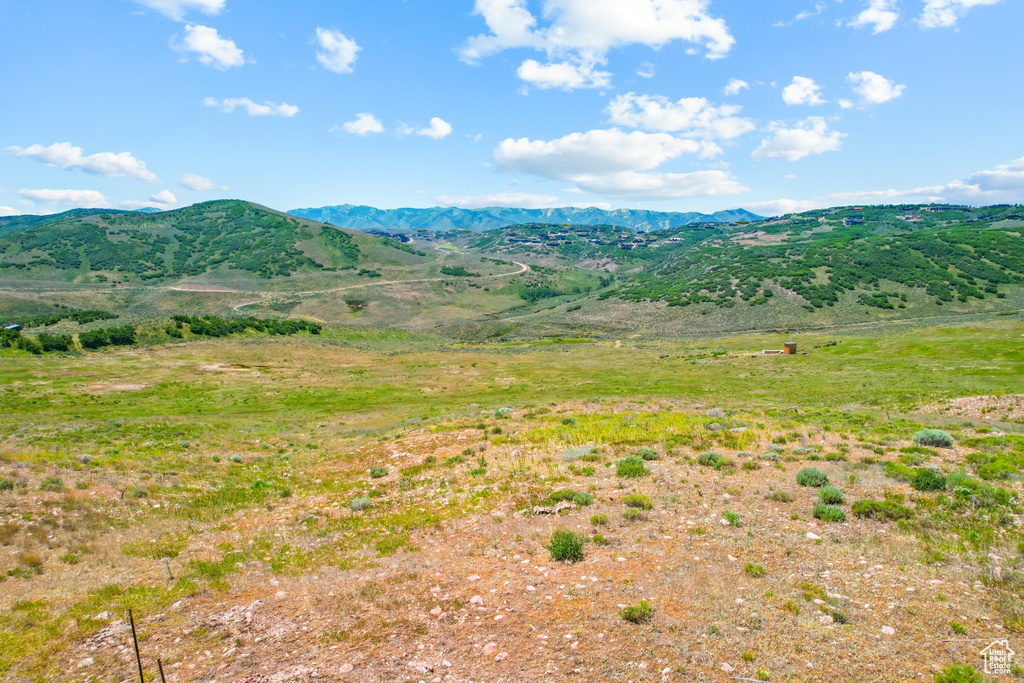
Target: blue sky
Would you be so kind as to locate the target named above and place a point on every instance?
(663, 104)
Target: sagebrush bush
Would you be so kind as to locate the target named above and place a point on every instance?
(751, 465)
(810, 476)
(236, 459)
(648, 454)
(600, 540)
(733, 519)
(831, 495)
(360, 503)
(884, 510)
(582, 499)
(754, 570)
(709, 459)
(637, 614)
(51, 484)
(566, 546)
(599, 520)
(958, 674)
(828, 513)
(936, 438)
(632, 515)
(928, 480)
(631, 468)
(638, 500)
(782, 497)
(6, 485)
(378, 472)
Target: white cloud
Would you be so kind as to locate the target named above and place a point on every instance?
(646, 70)
(337, 53)
(945, 13)
(811, 136)
(439, 128)
(229, 104)
(734, 86)
(198, 183)
(874, 88)
(107, 164)
(212, 50)
(582, 32)
(164, 199)
(690, 116)
(72, 198)
(364, 124)
(846, 104)
(176, 9)
(515, 199)
(882, 14)
(781, 207)
(609, 162)
(8, 211)
(564, 75)
(802, 91)
(807, 14)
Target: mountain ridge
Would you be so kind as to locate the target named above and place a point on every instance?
(368, 218)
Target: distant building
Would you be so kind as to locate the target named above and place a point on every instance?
(13, 327)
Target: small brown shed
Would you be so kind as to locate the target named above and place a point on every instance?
(789, 348)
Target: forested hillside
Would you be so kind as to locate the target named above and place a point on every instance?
(221, 235)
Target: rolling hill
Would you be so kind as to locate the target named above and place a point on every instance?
(367, 218)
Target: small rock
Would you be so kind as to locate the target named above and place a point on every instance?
(473, 578)
(888, 630)
(346, 668)
(490, 649)
(726, 668)
(501, 656)
(280, 594)
(476, 600)
(813, 537)
(620, 559)
(731, 558)
(88, 661)
(436, 611)
(826, 620)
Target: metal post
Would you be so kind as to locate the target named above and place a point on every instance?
(160, 665)
(135, 639)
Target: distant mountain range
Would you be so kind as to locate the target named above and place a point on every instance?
(367, 218)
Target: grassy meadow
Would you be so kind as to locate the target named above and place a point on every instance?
(374, 504)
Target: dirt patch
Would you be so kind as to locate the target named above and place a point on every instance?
(1007, 408)
(108, 388)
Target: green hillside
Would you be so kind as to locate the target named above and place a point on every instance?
(225, 236)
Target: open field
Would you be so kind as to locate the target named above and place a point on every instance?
(225, 490)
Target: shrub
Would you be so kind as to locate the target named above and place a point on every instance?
(754, 570)
(828, 513)
(378, 472)
(632, 515)
(631, 467)
(751, 465)
(6, 485)
(559, 496)
(569, 421)
(638, 500)
(566, 546)
(236, 459)
(51, 484)
(600, 540)
(831, 495)
(936, 438)
(883, 510)
(958, 628)
(958, 674)
(637, 614)
(359, 504)
(648, 454)
(811, 477)
(928, 480)
(285, 493)
(709, 459)
(582, 499)
(771, 457)
(599, 520)
(782, 497)
(733, 519)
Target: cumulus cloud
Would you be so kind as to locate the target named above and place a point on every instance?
(83, 199)
(874, 88)
(176, 9)
(881, 14)
(107, 164)
(564, 75)
(646, 70)
(802, 91)
(734, 86)
(439, 128)
(807, 14)
(611, 162)
(164, 199)
(229, 104)
(810, 136)
(364, 124)
(198, 183)
(515, 199)
(689, 116)
(210, 48)
(8, 211)
(580, 33)
(945, 13)
(337, 53)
